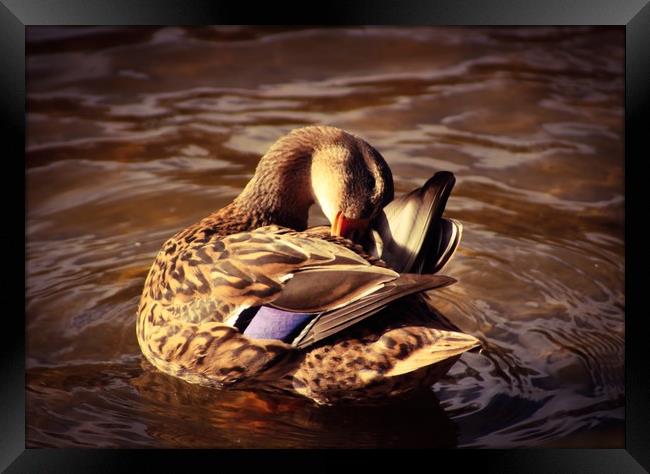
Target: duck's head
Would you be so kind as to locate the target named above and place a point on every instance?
(344, 175)
(351, 183)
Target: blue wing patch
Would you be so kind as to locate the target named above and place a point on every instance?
(271, 323)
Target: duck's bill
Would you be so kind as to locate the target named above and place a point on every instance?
(353, 229)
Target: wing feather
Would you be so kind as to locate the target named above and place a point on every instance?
(293, 270)
(332, 322)
(407, 228)
(296, 272)
(315, 289)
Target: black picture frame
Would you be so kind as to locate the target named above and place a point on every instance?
(15, 15)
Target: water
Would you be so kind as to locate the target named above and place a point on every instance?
(132, 134)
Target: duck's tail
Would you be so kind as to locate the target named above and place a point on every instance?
(411, 235)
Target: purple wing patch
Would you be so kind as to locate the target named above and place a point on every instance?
(271, 323)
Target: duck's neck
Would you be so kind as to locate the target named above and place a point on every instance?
(280, 192)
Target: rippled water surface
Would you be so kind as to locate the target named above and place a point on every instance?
(135, 133)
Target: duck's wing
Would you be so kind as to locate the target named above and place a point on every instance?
(450, 232)
(289, 271)
(411, 235)
(336, 320)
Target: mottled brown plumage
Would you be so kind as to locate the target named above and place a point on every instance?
(257, 251)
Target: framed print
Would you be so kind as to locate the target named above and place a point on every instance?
(367, 228)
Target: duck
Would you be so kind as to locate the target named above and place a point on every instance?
(250, 298)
